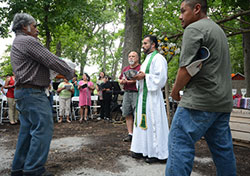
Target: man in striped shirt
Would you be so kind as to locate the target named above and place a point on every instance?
(31, 62)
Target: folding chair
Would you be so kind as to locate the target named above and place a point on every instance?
(94, 106)
(56, 105)
(75, 107)
(4, 109)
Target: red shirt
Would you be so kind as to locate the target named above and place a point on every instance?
(10, 93)
(130, 86)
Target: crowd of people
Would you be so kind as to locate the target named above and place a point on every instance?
(83, 88)
(198, 114)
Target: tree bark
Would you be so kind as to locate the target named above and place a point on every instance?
(104, 50)
(133, 29)
(83, 60)
(46, 26)
(59, 49)
(167, 103)
(246, 53)
(246, 50)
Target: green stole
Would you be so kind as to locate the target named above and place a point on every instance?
(143, 123)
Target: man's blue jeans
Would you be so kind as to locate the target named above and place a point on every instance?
(187, 128)
(35, 132)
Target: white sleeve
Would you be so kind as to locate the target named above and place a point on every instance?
(157, 77)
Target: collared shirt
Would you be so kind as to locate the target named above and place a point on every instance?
(31, 62)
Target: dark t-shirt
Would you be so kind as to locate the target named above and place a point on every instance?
(131, 86)
(106, 85)
(211, 88)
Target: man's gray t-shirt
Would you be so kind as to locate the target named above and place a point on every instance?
(211, 88)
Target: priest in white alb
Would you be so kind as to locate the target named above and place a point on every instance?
(150, 135)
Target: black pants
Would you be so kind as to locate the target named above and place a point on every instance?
(105, 105)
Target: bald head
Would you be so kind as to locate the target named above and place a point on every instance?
(133, 58)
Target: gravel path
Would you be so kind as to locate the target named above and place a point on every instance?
(128, 166)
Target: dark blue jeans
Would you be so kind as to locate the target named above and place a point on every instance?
(187, 128)
(35, 132)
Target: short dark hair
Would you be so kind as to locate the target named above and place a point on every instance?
(153, 39)
(203, 4)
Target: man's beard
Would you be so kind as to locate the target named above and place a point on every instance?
(131, 62)
(147, 51)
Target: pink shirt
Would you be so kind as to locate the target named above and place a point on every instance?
(85, 94)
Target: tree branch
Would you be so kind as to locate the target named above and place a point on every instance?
(233, 16)
(222, 21)
(237, 33)
(243, 21)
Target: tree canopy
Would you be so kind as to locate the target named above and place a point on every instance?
(91, 32)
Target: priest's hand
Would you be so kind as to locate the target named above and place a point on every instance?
(139, 76)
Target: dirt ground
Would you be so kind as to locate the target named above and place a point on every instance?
(97, 146)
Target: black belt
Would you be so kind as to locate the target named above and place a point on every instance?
(130, 90)
(29, 86)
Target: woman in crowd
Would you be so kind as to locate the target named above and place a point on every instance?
(99, 82)
(85, 86)
(65, 90)
(75, 84)
(12, 112)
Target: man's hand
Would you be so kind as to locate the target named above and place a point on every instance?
(139, 76)
(122, 81)
(181, 81)
(175, 95)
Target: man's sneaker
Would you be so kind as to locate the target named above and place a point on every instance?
(128, 138)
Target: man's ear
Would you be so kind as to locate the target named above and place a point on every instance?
(197, 9)
(153, 44)
(24, 28)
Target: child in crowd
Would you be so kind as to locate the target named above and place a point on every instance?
(107, 96)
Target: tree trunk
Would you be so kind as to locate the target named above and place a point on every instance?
(116, 61)
(246, 50)
(47, 31)
(133, 29)
(168, 104)
(59, 49)
(84, 59)
(104, 50)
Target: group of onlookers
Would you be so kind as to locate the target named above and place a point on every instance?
(83, 89)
